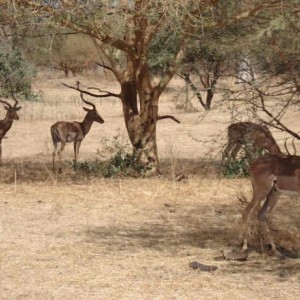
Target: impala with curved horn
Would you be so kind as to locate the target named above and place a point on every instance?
(243, 133)
(65, 132)
(6, 123)
(271, 175)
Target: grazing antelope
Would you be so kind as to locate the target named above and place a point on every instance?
(6, 123)
(271, 175)
(66, 132)
(243, 133)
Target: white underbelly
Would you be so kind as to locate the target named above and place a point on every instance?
(71, 137)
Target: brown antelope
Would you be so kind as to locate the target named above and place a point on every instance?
(65, 132)
(271, 175)
(243, 133)
(6, 123)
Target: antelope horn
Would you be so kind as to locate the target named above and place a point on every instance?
(4, 102)
(87, 102)
(294, 147)
(285, 146)
(16, 101)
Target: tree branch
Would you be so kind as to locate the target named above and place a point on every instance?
(168, 117)
(107, 94)
(187, 79)
(252, 12)
(171, 70)
(104, 66)
(278, 124)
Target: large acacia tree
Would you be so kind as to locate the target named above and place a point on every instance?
(124, 32)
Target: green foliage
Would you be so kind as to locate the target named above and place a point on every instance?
(239, 167)
(15, 74)
(279, 46)
(162, 50)
(236, 168)
(121, 162)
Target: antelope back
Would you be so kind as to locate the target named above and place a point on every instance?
(258, 135)
(281, 170)
(263, 138)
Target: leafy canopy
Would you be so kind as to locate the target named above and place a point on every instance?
(15, 74)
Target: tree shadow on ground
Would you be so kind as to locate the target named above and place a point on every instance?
(284, 269)
(210, 231)
(175, 228)
(39, 169)
(200, 167)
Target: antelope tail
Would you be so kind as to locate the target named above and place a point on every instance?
(55, 136)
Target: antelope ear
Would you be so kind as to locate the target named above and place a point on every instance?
(5, 107)
(18, 108)
(86, 109)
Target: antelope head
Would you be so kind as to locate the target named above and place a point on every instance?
(92, 113)
(12, 110)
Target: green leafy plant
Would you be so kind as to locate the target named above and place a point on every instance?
(120, 163)
(239, 167)
(15, 75)
(236, 168)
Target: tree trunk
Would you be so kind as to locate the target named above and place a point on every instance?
(187, 79)
(209, 98)
(141, 126)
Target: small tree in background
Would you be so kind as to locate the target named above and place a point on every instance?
(201, 71)
(16, 73)
(58, 48)
(77, 53)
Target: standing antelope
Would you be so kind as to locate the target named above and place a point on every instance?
(6, 123)
(271, 175)
(243, 133)
(66, 132)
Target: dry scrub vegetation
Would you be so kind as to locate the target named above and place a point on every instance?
(73, 237)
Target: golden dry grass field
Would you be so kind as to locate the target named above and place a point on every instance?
(73, 237)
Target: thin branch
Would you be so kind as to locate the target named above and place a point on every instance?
(252, 12)
(170, 71)
(41, 35)
(104, 66)
(115, 66)
(104, 91)
(107, 94)
(278, 124)
(280, 127)
(187, 79)
(168, 117)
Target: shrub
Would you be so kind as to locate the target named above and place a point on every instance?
(120, 163)
(239, 167)
(15, 74)
(236, 168)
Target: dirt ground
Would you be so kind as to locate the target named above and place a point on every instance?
(73, 237)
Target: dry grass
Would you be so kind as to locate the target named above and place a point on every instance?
(72, 237)
(132, 239)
